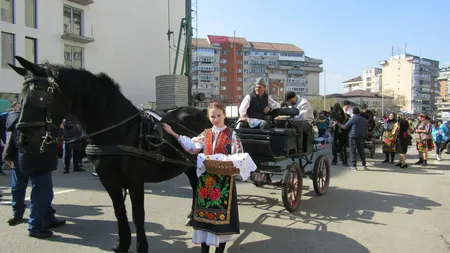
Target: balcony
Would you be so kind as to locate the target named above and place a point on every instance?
(82, 2)
(77, 38)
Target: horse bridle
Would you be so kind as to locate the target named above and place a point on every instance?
(47, 103)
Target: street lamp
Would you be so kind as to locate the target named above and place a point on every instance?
(324, 90)
(382, 99)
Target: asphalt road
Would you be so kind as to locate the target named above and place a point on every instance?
(384, 209)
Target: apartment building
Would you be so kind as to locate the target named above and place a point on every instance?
(284, 67)
(100, 36)
(443, 82)
(413, 77)
(369, 80)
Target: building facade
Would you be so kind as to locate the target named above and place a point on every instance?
(369, 80)
(284, 67)
(413, 77)
(443, 82)
(90, 34)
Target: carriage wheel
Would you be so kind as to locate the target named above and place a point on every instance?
(372, 150)
(291, 190)
(321, 176)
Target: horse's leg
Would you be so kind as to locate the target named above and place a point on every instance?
(191, 173)
(137, 202)
(124, 240)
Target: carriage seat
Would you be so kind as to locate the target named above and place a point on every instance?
(270, 131)
(285, 112)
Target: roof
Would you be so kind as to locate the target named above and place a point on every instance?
(364, 93)
(202, 43)
(275, 46)
(221, 39)
(355, 79)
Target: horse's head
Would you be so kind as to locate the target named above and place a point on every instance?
(43, 106)
(337, 113)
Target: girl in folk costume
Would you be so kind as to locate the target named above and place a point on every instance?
(216, 216)
(388, 139)
(402, 130)
(425, 142)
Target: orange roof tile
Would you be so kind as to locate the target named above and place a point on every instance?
(276, 46)
(201, 43)
(220, 39)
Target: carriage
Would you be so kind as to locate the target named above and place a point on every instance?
(373, 134)
(269, 147)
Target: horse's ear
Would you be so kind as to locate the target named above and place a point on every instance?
(36, 69)
(19, 70)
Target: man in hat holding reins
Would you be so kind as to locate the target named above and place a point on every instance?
(256, 106)
(304, 120)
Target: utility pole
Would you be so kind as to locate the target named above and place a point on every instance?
(188, 47)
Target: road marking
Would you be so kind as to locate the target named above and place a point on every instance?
(4, 203)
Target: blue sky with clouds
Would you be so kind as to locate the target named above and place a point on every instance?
(347, 35)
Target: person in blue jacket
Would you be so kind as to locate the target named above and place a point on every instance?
(438, 138)
(35, 168)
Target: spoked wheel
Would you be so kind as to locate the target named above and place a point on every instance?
(321, 175)
(291, 190)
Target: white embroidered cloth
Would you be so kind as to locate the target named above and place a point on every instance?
(241, 161)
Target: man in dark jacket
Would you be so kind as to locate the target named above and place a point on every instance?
(35, 168)
(73, 150)
(358, 129)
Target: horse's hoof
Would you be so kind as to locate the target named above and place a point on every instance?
(142, 248)
(188, 222)
(121, 247)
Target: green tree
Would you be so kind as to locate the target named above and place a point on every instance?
(317, 103)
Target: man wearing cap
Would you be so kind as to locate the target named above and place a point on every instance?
(304, 120)
(256, 106)
(347, 108)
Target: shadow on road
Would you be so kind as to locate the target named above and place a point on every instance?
(288, 239)
(344, 204)
(102, 234)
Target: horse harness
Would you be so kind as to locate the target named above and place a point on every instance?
(43, 99)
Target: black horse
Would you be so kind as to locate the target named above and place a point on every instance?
(51, 92)
(340, 136)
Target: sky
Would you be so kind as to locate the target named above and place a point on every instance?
(348, 35)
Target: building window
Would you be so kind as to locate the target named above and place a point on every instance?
(239, 53)
(7, 10)
(239, 70)
(8, 49)
(31, 49)
(223, 79)
(223, 61)
(30, 13)
(223, 70)
(224, 52)
(73, 56)
(239, 62)
(72, 20)
(239, 80)
(223, 87)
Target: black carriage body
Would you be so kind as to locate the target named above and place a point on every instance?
(267, 145)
